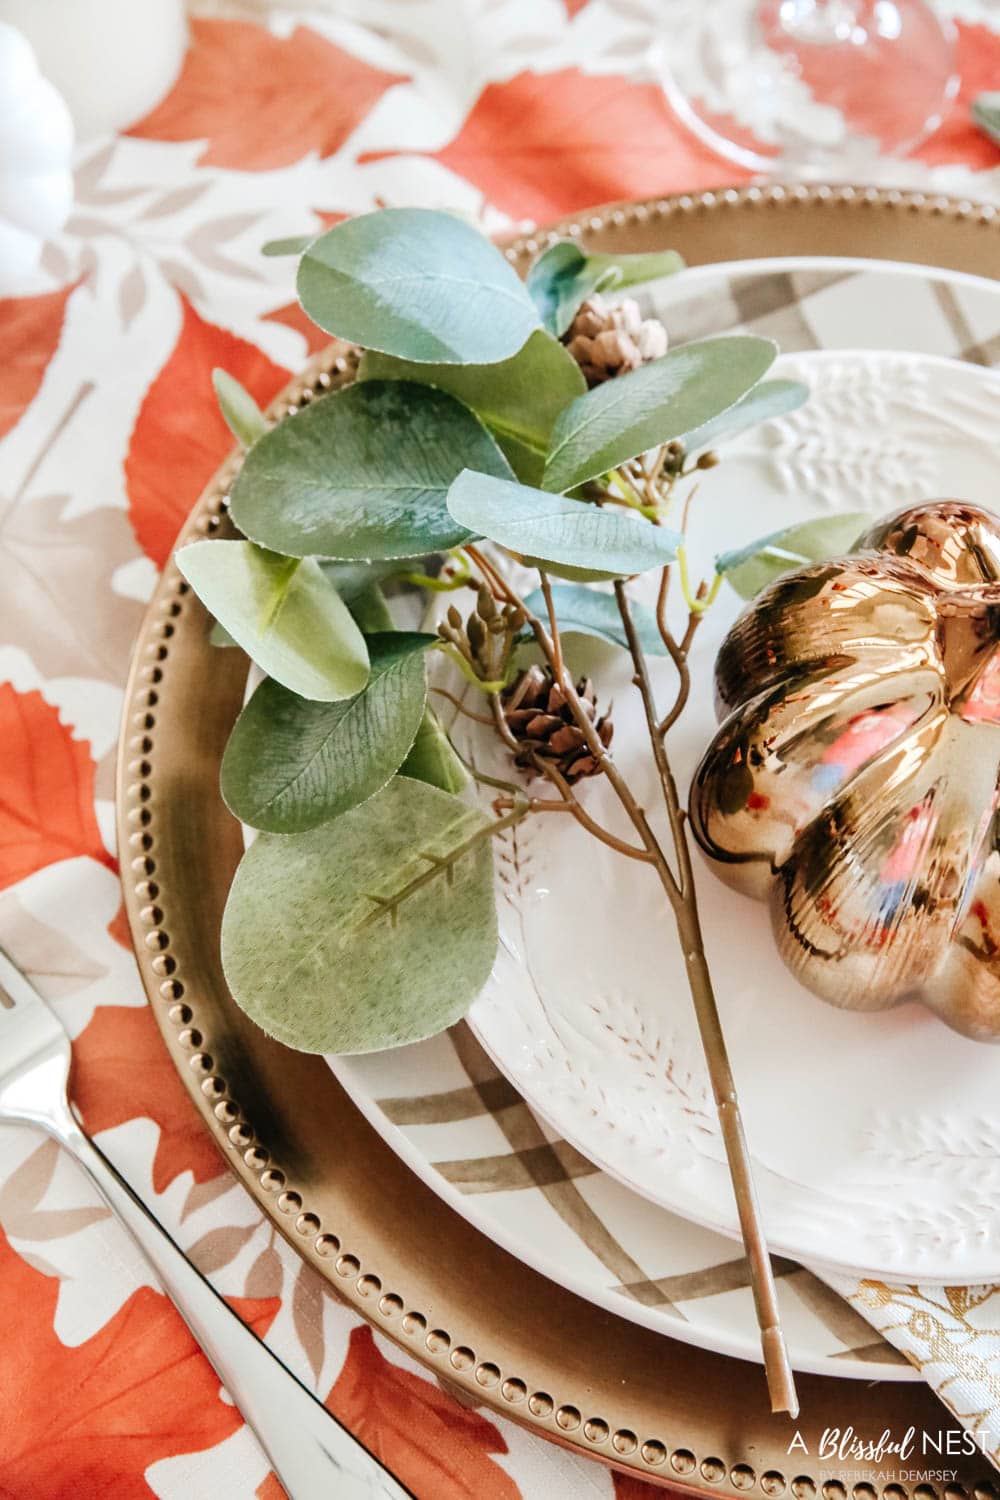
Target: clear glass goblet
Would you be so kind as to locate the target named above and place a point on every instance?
(809, 88)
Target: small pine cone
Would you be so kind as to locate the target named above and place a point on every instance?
(607, 341)
(542, 722)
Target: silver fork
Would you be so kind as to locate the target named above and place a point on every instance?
(304, 1443)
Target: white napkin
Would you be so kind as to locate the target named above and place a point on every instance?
(951, 1334)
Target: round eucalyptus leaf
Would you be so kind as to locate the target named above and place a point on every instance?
(556, 529)
(519, 399)
(432, 757)
(564, 275)
(417, 283)
(363, 474)
(769, 399)
(584, 611)
(753, 567)
(293, 244)
(242, 415)
(286, 614)
(292, 764)
(654, 404)
(315, 952)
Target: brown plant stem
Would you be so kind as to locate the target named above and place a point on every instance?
(679, 888)
(583, 817)
(553, 624)
(678, 653)
(680, 892)
(564, 789)
(499, 585)
(467, 712)
(780, 1380)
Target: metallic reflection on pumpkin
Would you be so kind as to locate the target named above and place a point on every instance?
(853, 780)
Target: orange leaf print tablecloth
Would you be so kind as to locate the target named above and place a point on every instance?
(281, 121)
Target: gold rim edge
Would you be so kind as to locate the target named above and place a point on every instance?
(176, 1014)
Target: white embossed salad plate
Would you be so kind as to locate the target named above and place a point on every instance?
(876, 1139)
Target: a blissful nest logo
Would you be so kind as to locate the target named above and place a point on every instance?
(892, 1453)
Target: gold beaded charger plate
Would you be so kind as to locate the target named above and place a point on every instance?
(873, 435)
(469, 1311)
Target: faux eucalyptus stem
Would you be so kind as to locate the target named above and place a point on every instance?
(679, 887)
(554, 425)
(780, 1380)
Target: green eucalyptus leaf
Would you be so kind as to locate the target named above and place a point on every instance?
(417, 283)
(286, 615)
(219, 636)
(563, 276)
(314, 953)
(370, 611)
(352, 580)
(752, 568)
(583, 611)
(986, 113)
(571, 574)
(243, 416)
(654, 404)
(769, 399)
(432, 758)
(358, 586)
(363, 473)
(519, 399)
(293, 245)
(292, 764)
(557, 529)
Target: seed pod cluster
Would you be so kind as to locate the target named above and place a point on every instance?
(486, 638)
(607, 341)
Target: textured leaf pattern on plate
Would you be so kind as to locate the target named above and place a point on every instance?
(769, 399)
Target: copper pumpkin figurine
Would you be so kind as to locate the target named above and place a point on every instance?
(853, 781)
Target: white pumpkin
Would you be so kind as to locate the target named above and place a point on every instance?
(36, 148)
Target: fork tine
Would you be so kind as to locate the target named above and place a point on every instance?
(16, 988)
(34, 1053)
